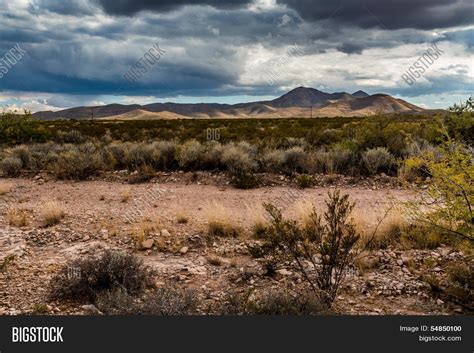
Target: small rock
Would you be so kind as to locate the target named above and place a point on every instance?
(284, 272)
(184, 250)
(165, 233)
(91, 308)
(439, 302)
(147, 244)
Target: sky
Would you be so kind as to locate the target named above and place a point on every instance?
(59, 54)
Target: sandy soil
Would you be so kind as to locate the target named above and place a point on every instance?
(105, 214)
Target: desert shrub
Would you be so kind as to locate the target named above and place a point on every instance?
(246, 180)
(272, 303)
(332, 242)
(295, 160)
(42, 155)
(11, 166)
(305, 181)
(95, 275)
(334, 161)
(289, 142)
(167, 300)
(139, 155)
(190, 155)
(77, 162)
(212, 155)
(115, 155)
(72, 136)
(448, 203)
(377, 159)
(51, 213)
(16, 128)
(238, 159)
(273, 161)
(22, 153)
(165, 154)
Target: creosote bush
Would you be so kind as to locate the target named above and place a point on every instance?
(84, 279)
(319, 251)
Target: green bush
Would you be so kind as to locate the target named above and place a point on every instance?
(377, 159)
(304, 181)
(190, 155)
(77, 162)
(11, 166)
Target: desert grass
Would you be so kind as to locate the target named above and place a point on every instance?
(258, 219)
(125, 196)
(17, 217)
(303, 210)
(182, 217)
(51, 213)
(214, 260)
(220, 222)
(380, 233)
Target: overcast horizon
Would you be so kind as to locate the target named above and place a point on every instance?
(94, 52)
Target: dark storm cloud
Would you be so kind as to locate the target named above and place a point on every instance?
(73, 8)
(130, 7)
(421, 14)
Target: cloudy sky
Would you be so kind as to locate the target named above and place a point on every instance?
(77, 52)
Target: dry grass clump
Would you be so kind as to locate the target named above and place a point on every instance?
(220, 222)
(387, 231)
(125, 195)
(17, 217)
(145, 230)
(182, 217)
(214, 260)
(51, 213)
(303, 210)
(256, 217)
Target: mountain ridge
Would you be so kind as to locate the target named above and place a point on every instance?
(299, 102)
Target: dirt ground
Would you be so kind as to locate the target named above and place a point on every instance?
(113, 214)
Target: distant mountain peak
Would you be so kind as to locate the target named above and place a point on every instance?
(360, 94)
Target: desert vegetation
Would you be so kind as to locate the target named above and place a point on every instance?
(277, 217)
(355, 147)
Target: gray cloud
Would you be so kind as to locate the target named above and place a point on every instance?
(130, 7)
(421, 14)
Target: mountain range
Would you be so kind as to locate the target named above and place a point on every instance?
(299, 102)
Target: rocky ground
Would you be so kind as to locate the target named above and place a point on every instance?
(164, 222)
